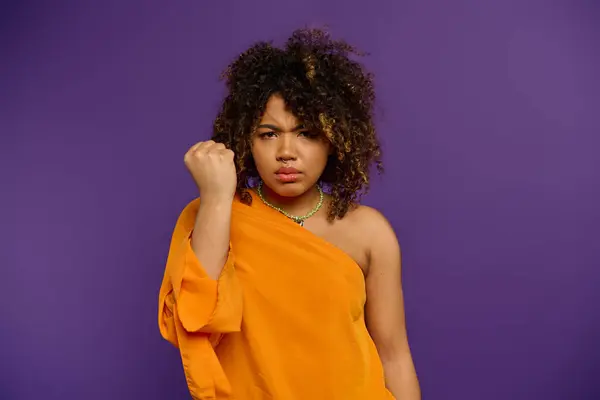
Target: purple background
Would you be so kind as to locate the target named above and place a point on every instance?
(486, 110)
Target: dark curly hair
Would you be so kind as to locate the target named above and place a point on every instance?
(325, 89)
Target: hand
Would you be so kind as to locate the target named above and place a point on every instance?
(212, 167)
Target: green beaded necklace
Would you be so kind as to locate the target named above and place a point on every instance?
(298, 219)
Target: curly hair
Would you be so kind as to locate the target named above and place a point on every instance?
(325, 89)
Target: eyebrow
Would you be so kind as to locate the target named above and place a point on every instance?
(277, 129)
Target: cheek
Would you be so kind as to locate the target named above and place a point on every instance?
(320, 155)
(259, 154)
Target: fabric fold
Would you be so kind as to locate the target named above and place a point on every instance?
(195, 310)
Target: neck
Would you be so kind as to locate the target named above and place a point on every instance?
(298, 205)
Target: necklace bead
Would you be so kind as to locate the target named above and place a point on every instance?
(298, 219)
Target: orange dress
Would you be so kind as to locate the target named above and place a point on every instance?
(284, 321)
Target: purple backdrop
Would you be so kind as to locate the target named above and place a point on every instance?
(486, 109)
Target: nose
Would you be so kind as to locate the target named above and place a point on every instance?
(286, 149)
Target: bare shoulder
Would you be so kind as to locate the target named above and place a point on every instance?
(371, 222)
(378, 236)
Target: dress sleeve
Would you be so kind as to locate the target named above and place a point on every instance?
(203, 304)
(194, 310)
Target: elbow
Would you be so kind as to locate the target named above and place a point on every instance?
(393, 350)
(395, 358)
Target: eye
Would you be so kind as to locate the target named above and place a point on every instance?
(267, 135)
(309, 135)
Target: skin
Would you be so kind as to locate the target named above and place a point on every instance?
(364, 234)
(281, 141)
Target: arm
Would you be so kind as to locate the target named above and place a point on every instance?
(210, 238)
(385, 308)
(212, 167)
(197, 297)
(200, 297)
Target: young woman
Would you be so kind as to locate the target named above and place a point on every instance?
(278, 284)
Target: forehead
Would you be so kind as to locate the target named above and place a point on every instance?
(278, 113)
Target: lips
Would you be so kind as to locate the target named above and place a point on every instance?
(287, 171)
(287, 174)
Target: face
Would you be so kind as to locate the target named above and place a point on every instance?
(289, 158)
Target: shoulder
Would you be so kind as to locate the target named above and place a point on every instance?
(371, 222)
(379, 237)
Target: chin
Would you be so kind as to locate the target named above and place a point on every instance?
(291, 189)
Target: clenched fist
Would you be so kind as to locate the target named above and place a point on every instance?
(213, 170)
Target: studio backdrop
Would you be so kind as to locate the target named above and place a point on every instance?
(488, 114)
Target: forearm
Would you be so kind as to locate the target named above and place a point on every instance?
(401, 379)
(210, 239)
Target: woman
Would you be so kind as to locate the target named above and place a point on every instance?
(278, 285)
